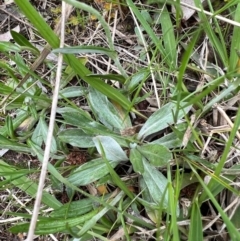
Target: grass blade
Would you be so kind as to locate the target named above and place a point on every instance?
(195, 232)
(27, 185)
(235, 42)
(48, 34)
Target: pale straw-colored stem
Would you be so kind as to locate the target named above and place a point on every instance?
(50, 133)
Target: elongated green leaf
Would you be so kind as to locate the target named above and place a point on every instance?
(90, 172)
(157, 155)
(38, 151)
(12, 145)
(137, 78)
(184, 61)
(44, 130)
(21, 65)
(161, 119)
(73, 91)
(115, 177)
(48, 34)
(53, 225)
(22, 41)
(221, 95)
(8, 47)
(150, 32)
(73, 209)
(173, 209)
(136, 160)
(156, 184)
(5, 89)
(69, 73)
(233, 170)
(116, 77)
(82, 120)
(107, 112)
(235, 218)
(187, 179)
(227, 6)
(112, 150)
(76, 137)
(85, 49)
(37, 136)
(233, 232)
(211, 69)
(215, 183)
(218, 45)
(21, 116)
(169, 141)
(9, 125)
(92, 222)
(76, 208)
(147, 16)
(152, 214)
(195, 233)
(79, 114)
(235, 43)
(26, 185)
(168, 37)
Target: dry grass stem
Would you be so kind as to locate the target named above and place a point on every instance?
(234, 23)
(148, 59)
(50, 130)
(225, 116)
